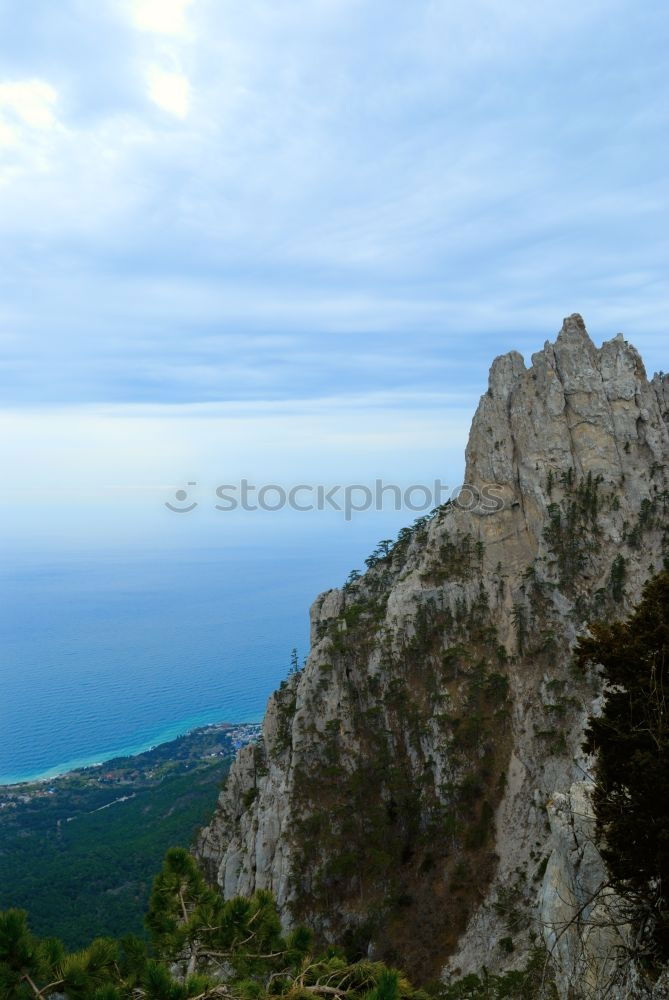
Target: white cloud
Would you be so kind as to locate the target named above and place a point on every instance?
(31, 101)
(165, 17)
(8, 136)
(431, 169)
(29, 128)
(170, 91)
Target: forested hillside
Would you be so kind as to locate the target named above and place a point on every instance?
(80, 852)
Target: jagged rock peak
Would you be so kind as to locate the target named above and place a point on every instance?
(577, 406)
(573, 328)
(573, 345)
(504, 373)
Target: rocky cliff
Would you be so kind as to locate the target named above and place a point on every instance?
(419, 792)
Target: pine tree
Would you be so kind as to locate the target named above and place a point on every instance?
(631, 743)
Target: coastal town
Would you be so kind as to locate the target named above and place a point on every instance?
(101, 832)
(204, 744)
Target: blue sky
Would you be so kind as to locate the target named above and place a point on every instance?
(269, 234)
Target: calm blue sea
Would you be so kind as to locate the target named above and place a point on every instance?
(111, 652)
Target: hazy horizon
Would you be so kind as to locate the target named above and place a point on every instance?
(286, 243)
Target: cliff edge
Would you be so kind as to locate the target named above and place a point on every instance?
(419, 793)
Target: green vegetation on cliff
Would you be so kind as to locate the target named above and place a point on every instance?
(204, 947)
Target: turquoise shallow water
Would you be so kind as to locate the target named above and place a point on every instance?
(112, 652)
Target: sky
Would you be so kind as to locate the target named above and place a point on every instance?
(286, 240)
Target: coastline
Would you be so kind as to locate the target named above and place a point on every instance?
(161, 741)
(101, 832)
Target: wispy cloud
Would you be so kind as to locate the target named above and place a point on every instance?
(208, 200)
(169, 90)
(30, 101)
(165, 17)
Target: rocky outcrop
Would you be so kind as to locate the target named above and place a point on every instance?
(415, 790)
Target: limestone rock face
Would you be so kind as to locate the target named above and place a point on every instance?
(583, 923)
(416, 788)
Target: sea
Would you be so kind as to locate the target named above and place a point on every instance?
(113, 650)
